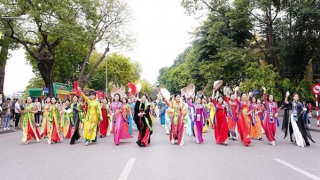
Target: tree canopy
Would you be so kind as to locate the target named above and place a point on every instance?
(249, 44)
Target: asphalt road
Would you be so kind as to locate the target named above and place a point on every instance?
(159, 161)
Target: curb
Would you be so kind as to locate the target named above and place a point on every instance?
(8, 131)
(313, 128)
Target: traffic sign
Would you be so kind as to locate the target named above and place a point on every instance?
(255, 92)
(46, 90)
(316, 89)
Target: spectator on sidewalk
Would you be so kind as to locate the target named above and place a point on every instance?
(305, 112)
(17, 113)
(1, 116)
(22, 106)
(6, 111)
(12, 106)
(310, 110)
(37, 115)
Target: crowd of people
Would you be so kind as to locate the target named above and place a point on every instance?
(232, 117)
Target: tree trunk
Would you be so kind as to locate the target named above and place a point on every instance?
(271, 40)
(85, 80)
(3, 62)
(46, 70)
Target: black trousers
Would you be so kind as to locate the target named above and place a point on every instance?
(37, 117)
(13, 114)
(17, 117)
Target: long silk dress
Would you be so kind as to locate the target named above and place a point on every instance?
(221, 124)
(199, 116)
(104, 124)
(190, 124)
(212, 112)
(119, 129)
(298, 125)
(91, 122)
(126, 115)
(177, 122)
(162, 111)
(76, 115)
(144, 123)
(45, 116)
(205, 127)
(232, 116)
(256, 129)
(67, 125)
(30, 131)
(244, 123)
(53, 125)
(270, 119)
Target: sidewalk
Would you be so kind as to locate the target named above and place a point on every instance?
(11, 130)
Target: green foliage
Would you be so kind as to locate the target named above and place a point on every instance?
(120, 71)
(304, 90)
(287, 85)
(36, 82)
(263, 75)
(146, 87)
(69, 57)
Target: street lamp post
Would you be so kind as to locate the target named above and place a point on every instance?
(106, 76)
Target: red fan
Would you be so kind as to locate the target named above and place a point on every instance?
(99, 94)
(133, 88)
(76, 88)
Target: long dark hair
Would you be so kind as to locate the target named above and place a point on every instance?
(125, 99)
(115, 96)
(105, 99)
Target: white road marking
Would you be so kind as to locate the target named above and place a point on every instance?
(297, 169)
(126, 171)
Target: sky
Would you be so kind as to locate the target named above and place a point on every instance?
(162, 32)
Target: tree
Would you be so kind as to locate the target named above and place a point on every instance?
(36, 82)
(109, 30)
(298, 39)
(5, 44)
(146, 87)
(50, 22)
(69, 57)
(262, 75)
(120, 71)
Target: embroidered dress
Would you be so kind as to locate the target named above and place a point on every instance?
(53, 124)
(91, 120)
(200, 114)
(30, 131)
(119, 129)
(144, 123)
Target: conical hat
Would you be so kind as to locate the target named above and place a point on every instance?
(184, 91)
(191, 88)
(165, 93)
(170, 112)
(217, 84)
